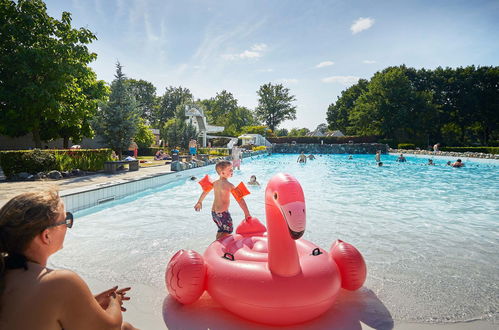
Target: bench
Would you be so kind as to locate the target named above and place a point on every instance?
(112, 167)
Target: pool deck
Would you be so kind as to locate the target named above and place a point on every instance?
(10, 189)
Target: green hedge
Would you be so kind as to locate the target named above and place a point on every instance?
(324, 139)
(485, 150)
(407, 146)
(34, 161)
(214, 151)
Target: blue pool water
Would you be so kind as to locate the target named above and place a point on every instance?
(429, 234)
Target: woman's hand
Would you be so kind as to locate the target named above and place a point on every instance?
(104, 298)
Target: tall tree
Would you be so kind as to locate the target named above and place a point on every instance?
(43, 70)
(145, 95)
(173, 97)
(118, 120)
(274, 105)
(337, 113)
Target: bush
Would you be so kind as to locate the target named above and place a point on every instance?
(485, 150)
(324, 139)
(214, 151)
(259, 148)
(34, 161)
(409, 146)
(83, 159)
(30, 161)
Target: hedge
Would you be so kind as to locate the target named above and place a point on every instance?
(35, 161)
(324, 139)
(214, 151)
(407, 146)
(485, 150)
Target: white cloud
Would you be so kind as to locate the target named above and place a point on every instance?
(323, 64)
(256, 51)
(287, 81)
(266, 70)
(368, 62)
(344, 80)
(361, 24)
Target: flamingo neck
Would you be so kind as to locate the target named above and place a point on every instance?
(283, 255)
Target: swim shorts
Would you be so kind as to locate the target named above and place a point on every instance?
(223, 221)
(236, 163)
(192, 151)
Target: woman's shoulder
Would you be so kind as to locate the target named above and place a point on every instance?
(64, 281)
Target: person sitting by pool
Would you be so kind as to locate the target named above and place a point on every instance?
(311, 157)
(430, 162)
(222, 189)
(32, 228)
(160, 155)
(458, 163)
(302, 158)
(252, 181)
(401, 159)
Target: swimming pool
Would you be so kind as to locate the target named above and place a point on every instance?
(429, 234)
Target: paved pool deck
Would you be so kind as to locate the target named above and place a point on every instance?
(10, 189)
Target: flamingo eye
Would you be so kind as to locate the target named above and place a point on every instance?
(275, 196)
(303, 210)
(289, 212)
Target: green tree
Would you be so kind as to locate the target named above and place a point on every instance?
(43, 71)
(282, 132)
(118, 120)
(173, 97)
(337, 113)
(274, 105)
(176, 132)
(299, 131)
(145, 95)
(144, 137)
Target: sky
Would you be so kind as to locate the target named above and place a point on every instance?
(315, 48)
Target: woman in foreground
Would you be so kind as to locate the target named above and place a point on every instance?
(32, 228)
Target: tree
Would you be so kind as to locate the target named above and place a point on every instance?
(145, 95)
(176, 132)
(337, 113)
(282, 132)
(118, 120)
(144, 137)
(274, 105)
(43, 71)
(173, 97)
(299, 131)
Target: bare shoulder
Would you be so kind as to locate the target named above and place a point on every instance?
(64, 282)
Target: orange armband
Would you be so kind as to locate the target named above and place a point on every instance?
(240, 191)
(206, 183)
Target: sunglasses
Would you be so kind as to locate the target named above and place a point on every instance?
(68, 221)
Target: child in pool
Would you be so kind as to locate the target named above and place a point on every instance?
(220, 209)
(252, 181)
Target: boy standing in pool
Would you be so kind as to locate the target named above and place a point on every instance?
(220, 209)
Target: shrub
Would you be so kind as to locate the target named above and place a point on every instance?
(409, 146)
(150, 151)
(324, 139)
(214, 151)
(485, 150)
(34, 161)
(30, 161)
(258, 148)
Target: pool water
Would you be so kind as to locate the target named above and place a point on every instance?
(429, 234)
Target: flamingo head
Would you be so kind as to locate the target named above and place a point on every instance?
(285, 192)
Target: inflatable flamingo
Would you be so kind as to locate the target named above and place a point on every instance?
(269, 276)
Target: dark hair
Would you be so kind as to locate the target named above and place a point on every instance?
(222, 165)
(459, 160)
(21, 219)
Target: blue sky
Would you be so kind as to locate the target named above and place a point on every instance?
(315, 48)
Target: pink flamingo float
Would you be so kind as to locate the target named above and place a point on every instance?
(269, 275)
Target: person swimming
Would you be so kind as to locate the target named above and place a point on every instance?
(252, 181)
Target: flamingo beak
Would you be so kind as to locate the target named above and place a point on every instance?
(294, 213)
